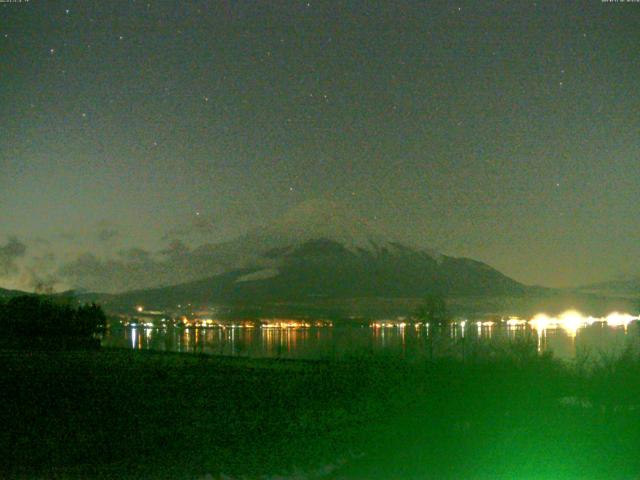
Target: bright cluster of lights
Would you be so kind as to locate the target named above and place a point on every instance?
(616, 319)
(572, 320)
(209, 323)
(515, 322)
(286, 324)
(390, 324)
(292, 323)
(569, 321)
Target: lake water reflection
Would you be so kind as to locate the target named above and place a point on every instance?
(405, 341)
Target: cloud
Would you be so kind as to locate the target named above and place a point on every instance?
(176, 250)
(39, 274)
(102, 232)
(137, 256)
(135, 268)
(33, 272)
(10, 253)
(132, 268)
(108, 234)
(197, 228)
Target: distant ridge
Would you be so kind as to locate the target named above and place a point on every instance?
(12, 293)
(624, 286)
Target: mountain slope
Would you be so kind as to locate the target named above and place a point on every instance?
(322, 269)
(4, 293)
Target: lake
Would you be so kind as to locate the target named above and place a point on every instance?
(407, 341)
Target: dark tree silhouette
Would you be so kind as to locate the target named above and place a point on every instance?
(36, 318)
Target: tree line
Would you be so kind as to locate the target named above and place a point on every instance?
(40, 317)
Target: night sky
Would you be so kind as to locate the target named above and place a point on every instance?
(508, 132)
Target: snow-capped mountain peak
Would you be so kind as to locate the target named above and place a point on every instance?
(309, 221)
(319, 219)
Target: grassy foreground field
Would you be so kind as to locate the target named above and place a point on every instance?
(127, 414)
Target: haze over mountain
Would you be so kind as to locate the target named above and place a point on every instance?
(322, 251)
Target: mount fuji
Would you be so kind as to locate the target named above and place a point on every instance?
(320, 252)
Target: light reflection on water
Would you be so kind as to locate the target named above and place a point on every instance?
(407, 341)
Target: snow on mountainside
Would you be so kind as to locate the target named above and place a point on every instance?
(319, 219)
(308, 221)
